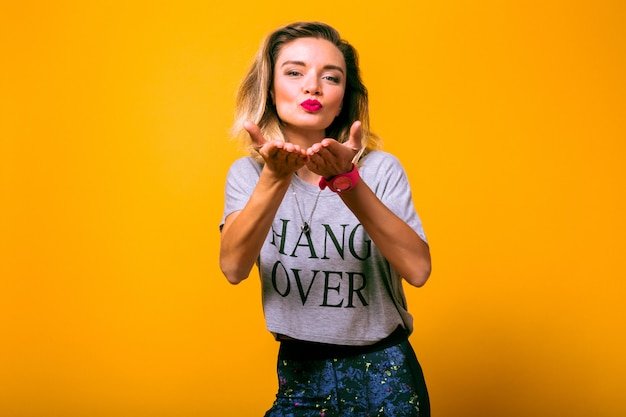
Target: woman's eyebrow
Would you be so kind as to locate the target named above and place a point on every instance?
(303, 64)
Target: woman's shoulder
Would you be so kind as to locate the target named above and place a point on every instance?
(246, 164)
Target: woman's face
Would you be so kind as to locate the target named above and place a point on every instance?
(309, 84)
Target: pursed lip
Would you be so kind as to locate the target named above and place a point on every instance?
(311, 105)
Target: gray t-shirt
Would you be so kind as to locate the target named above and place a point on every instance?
(333, 285)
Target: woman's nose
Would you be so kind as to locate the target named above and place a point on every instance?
(312, 86)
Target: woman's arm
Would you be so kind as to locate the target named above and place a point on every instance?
(245, 231)
(398, 242)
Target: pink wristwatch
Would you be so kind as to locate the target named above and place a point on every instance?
(342, 182)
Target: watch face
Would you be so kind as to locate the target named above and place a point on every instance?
(342, 183)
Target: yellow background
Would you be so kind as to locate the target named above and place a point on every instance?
(509, 117)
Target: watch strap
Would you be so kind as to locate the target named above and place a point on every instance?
(352, 176)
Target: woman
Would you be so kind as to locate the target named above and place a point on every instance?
(329, 221)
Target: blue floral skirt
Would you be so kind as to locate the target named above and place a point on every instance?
(384, 382)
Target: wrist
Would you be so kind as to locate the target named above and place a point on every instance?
(341, 183)
(274, 179)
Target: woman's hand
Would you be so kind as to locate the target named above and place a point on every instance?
(329, 157)
(280, 157)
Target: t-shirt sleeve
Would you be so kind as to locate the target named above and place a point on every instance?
(243, 176)
(387, 178)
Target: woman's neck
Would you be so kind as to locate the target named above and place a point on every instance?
(307, 175)
(304, 138)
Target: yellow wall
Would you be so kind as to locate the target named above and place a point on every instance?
(510, 120)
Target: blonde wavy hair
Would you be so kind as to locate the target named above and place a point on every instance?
(253, 101)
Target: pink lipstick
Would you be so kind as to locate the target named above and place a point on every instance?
(311, 105)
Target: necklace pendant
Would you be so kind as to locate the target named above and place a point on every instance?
(305, 228)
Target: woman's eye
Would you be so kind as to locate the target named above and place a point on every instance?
(293, 73)
(332, 78)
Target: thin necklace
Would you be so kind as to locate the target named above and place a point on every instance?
(306, 229)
